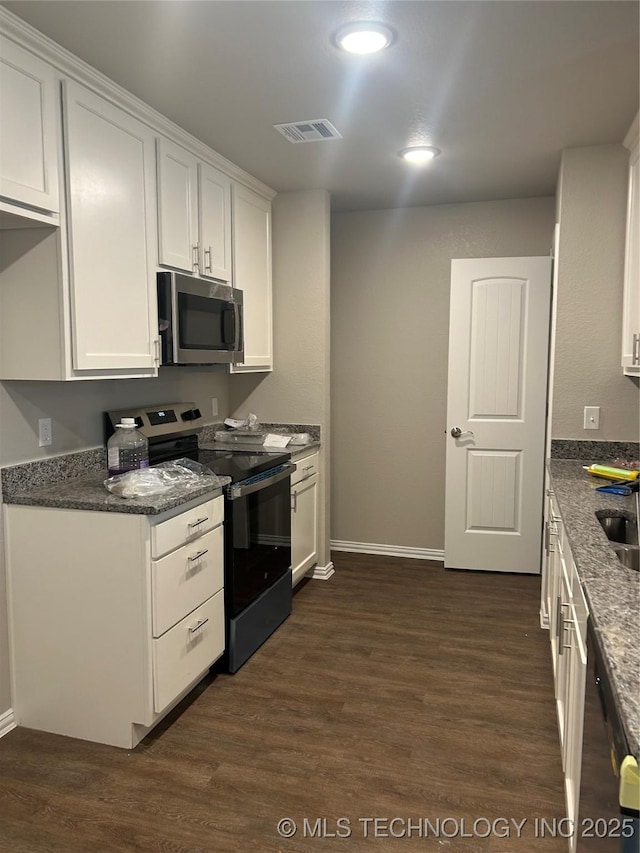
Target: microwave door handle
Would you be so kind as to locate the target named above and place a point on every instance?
(229, 326)
(239, 334)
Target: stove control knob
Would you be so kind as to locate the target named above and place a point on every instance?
(191, 415)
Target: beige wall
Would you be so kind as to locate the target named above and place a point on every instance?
(390, 273)
(592, 197)
(75, 408)
(298, 389)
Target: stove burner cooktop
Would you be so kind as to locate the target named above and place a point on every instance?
(239, 464)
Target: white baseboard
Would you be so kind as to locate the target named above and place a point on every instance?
(388, 550)
(7, 722)
(322, 573)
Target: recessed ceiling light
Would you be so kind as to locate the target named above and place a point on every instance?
(418, 154)
(364, 37)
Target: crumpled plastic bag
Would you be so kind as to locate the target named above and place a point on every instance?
(180, 475)
(248, 425)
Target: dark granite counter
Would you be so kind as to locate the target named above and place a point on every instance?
(76, 480)
(612, 590)
(89, 493)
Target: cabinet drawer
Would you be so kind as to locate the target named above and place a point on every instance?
(182, 580)
(171, 534)
(305, 468)
(187, 650)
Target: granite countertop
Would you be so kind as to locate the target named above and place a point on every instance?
(611, 589)
(76, 480)
(88, 493)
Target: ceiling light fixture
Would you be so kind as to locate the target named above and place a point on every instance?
(418, 154)
(364, 37)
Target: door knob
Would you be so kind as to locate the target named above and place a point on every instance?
(456, 432)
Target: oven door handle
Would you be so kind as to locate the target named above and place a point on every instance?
(241, 491)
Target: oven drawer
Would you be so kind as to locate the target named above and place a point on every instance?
(182, 580)
(183, 528)
(187, 650)
(305, 468)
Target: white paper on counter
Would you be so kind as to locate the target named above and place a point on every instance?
(271, 440)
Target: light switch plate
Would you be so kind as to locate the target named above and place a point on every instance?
(214, 406)
(592, 417)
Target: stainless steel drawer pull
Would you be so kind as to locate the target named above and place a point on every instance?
(198, 625)
(636, 349)
(308, 468)
(198, 521)
(207, 259)
(197, 556)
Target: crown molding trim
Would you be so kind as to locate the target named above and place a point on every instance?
(71, 66)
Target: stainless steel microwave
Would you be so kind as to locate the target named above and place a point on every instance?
(200, 322)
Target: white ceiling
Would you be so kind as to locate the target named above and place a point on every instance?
(500, 87)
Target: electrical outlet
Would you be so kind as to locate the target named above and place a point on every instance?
(45, 434)
(592, 417)
(214, 406)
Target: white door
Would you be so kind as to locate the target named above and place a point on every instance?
(252, 275)
(498, 355)
(304, 526)
(215, 223)
(177, 207)
(28, 149)
(113, 248)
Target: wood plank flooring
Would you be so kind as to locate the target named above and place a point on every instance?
(395, 690)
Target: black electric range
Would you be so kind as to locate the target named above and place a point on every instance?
(257, 526)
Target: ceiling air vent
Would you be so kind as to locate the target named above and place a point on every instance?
(313, 130)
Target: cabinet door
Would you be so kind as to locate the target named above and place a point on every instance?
(252, 275)
(215, 223)
(577, 672)
(304, 526)
(112, 245)
(565, 651)
(631, 311)
(28, 133)
(177, 207)
(554, 582)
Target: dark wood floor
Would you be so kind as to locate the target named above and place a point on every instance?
(395, 690)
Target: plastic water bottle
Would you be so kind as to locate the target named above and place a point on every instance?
(127, 449)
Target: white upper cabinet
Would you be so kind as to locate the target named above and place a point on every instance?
(215, 223)
(194, 214)
(631, 309)
(252, 275)
(28, 130)
(110, 171)
(177, 207)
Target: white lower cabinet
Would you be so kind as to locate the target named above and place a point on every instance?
(567, 612)
(187, 650)
(304, 516)
(108, 630)
(631, 301)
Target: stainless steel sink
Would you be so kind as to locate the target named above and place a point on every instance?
(629, 556)
(621, 528)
